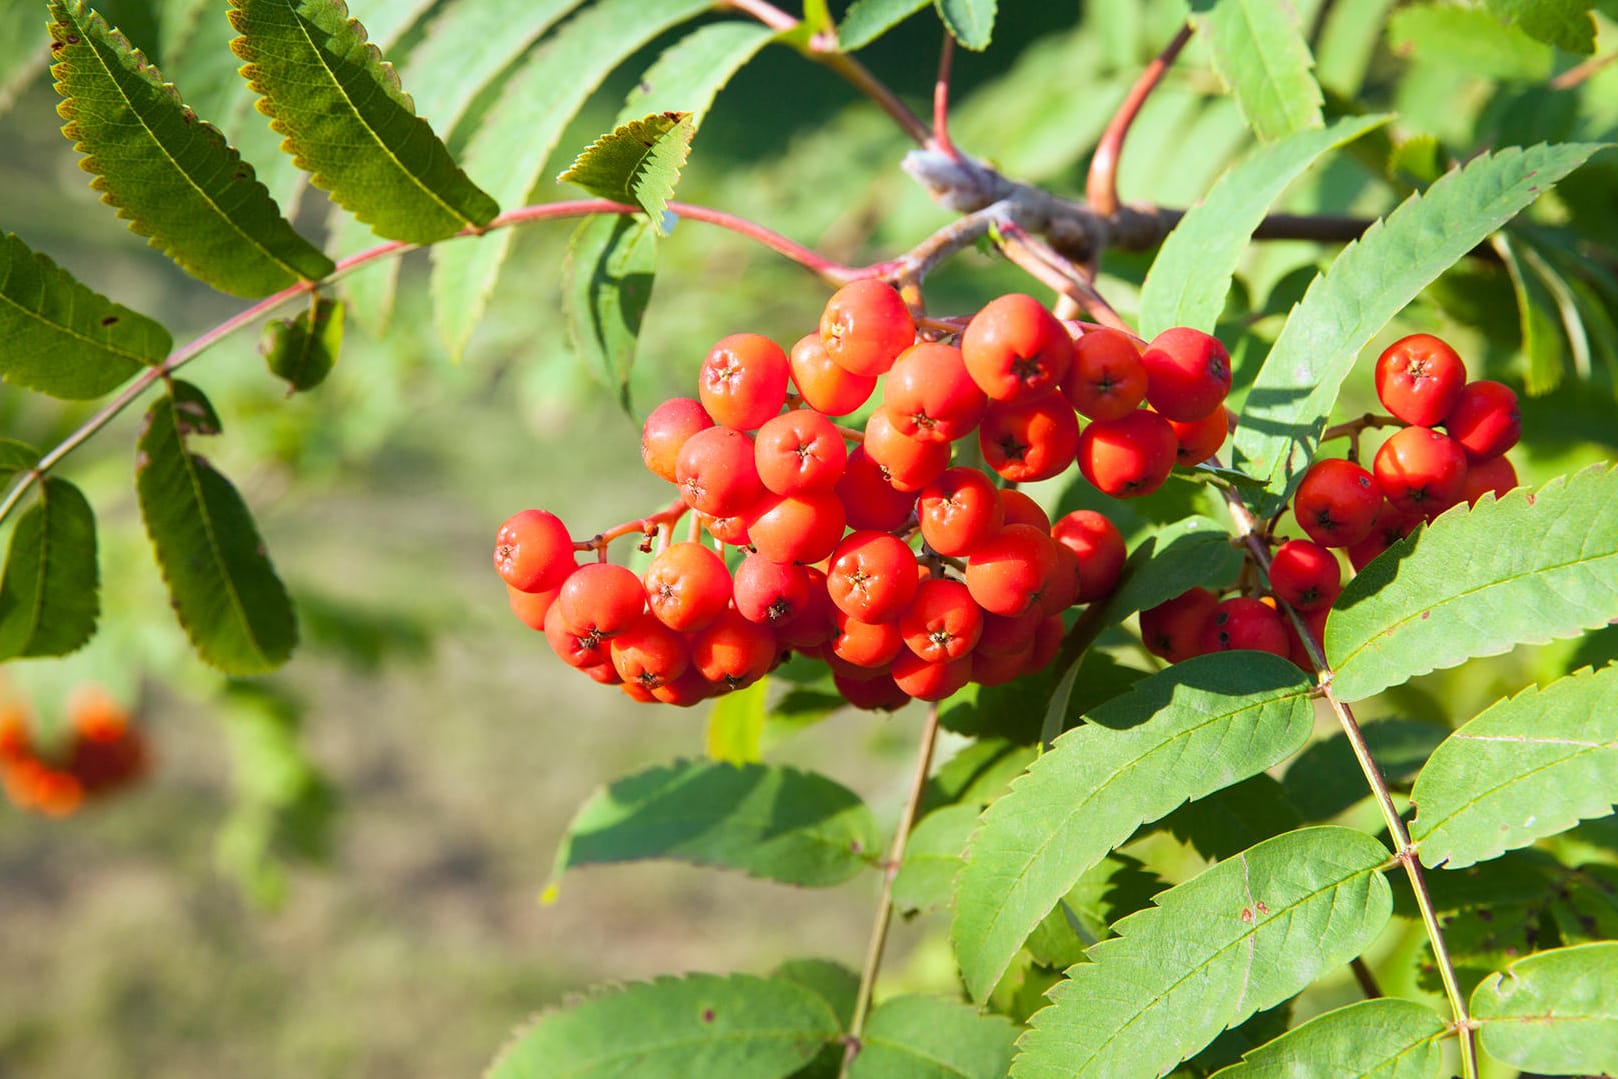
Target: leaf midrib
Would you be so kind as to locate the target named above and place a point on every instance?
(139, 359)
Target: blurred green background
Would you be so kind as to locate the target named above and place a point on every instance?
(337, 870)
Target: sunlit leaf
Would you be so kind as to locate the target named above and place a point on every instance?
(49, 596)
(933, 857)
(917, 1037)
(1258, 49)
(1554, 1012)
(1370, 1039)
(638, 162)
(970, 22)
(1564, 23)
(867, 20)
(736, 724)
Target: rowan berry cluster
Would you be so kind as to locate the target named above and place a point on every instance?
(908, 574)
(1418, 473)
(104, 753)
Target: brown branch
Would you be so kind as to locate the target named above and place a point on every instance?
(1101, 187)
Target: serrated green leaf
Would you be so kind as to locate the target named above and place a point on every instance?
(170, 174)
(1347, 40)
(223, 588)
(917, 1037)
(517, 136)
(1191, 275)
(1470, 39)
(1325, 779)
(1242, 936)
(768, 821)
(1370, 1039)
(606, 285)
(1526, 569)
(736, 724)
(1010, 711)
(1567, 311)
(49, 596)
(977, 775)
(303, 350)
(1370, 282)
(348, 123)
(63, 338)
(15, 457)
(1554, 1012)
(1541, 343)
(933, 857)
(739, 1026)
(637, 162)
(838, 987)
(1182, 733)
(1259, 51)
(1527, 767)
(1564, 23)
(1229, 821)
(970, 22)
(867, 20)
(1114, 887)
(691, 72)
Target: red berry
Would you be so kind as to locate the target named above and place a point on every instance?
(1389, 527)
(1485, 420)
(1187, 373)
(1010, 572)
(649, 653)
(1029, 439)
(531, 607)
(582, 650)
(770, 592)
(1493, 475)
(930, 397)
(601, 598)
(1245, 622)
(733, 652)
(930, 680)
(1130, 456)
(908, 464)
(872, 576)
(1419, 379)
(865, 326)
(799, 451)
(743, 380)
(1107, 379)
(1173, 630)
(1305, 575)
(1421, 471)
(1336, 502)
(823, 384)
(814, 623)
(718, 472)
(666, 428)
(942, 622)
(1200, 439)
(797, 528)
(1014, 347)
(869, 500)
(1017, 508)
(959, 510)
(687, 586)
(1100, 550)
(866, 644)
(878, 694)
(533, 552)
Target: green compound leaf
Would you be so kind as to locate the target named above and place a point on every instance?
(303, 350)
(1528, 767)
(1116, 886)
(736, 725)
(867, 20)
(1526, 569)
(1371, 1039)
(1468, 38)
(1229, 821)
(933, 857)
(1242, 936)
(767, 821)
(1564, 23)
(638, 162)
(739, 1026)
(63, 338)
(1182, 733)
(224, 590)
(15, 457)
(171, 175)
(349, 124)
(970, 22)
(48, 597)
(916, 1037)
(1187, 283)
(1370, 282)
(517, 136)
(1555, 1012)
(1258, 49)
(606, 285)
(692, 71)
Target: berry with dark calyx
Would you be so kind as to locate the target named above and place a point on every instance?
(1336, 502)
(1100, 550)
(601, 599)
(942, 622)
(687, 586)
(1493, 475)
(770, 592)
(814, 624)
(1305, 575)
(1010, 572)
(666, 428)
(689, 689)
(909, 464)
(799, 451)
(930, 680)
(1419, 379)
(1014, 347)
(1187, 373)
(717, 471)
(648, 653)
(959, 510)
(731, 529)
(865, 326)
(1200, 439)
(1173, 630)
(1130, 456)
(733, 652)
(1030, 438)
(582, 650)
(824, 385)
(1245, 622)
(1421, 471)
(533, 551)
(872, 576)
(1485, 420)
(1389, 527)
(743, 381)
(930, 397)
(1107, 379)
(869, 500)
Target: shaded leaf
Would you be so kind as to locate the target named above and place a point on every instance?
(169, 173)
(1242, 936)
(1114, 887)
(1527, 767)
(224, 590)
(637, 162)
(779, 823)
(63, 338)
(735, 724)
(1191, 275)
(1010, 711)
(1259, 51)
(1564, 23)
(606, 285)
(1541, 342)
(976, 775)
(1384, 1039)
(303, 350)
(349, 124)
(690, 73)
(1554, 1012)
(917, 1037)
(867, 20)
(739, 1026)
(1528, 568)
(933, 857)
(970, 22)
(1370, 282)
(1228, 821)
(1182, 733)
(1325, 779)
(15, 457)
(519, 132)
(49, 597)
(838, 987)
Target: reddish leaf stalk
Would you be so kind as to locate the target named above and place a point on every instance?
(1101, 186)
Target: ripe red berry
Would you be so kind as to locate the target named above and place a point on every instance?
(872, 576)
(1014, 347)
(649, 653)
(814, 624)
(1419, 379)
(601, 598)
(533, 552)
(1389, 527)
(1421, 471)
(930, 680)
(865, 326)
(1200, 439)
(824, 385)
(1130, 456)
(666, 428)
(531, 607)
(743, 380)
(1187, 373)
(1030, 438)
(1493, 475)
(959, 510)
(1100, 550)
(797, 528)
(769, 592)
(1245, 622)
(687, 586)
(1173, 630)
(869, 500)
(929, 396)
(577, 649)
(717, 471)
(1010, 572)
(1019, 509)
(1107, 379)
(1485, 420)
(943, 622)
(863, 643)
(878, 694)
(733, 652)
(1336, 502)
(1305, 575)
(908, 464)
(799, 451)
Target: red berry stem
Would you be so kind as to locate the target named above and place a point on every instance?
(1052, 269)
(647, 527)
(1351, 430)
